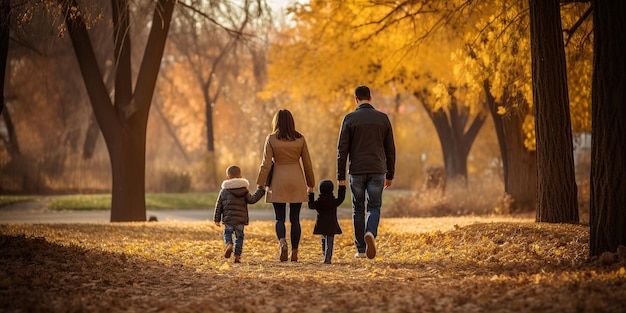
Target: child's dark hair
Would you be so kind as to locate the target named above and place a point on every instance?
(233, 171)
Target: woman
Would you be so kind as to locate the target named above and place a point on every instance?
(286, 147)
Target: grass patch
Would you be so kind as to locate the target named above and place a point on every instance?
(80, 202)
(161, 201)
(195, 200)
(8, 200)
(154, 201)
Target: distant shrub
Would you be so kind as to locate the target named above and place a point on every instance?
(175, 181)
(457, 199)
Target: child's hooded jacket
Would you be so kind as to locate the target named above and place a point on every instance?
(326, 206)
(232, 204)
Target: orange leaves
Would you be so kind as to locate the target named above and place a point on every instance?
(467, 264)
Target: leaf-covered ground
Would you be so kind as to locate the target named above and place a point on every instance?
(423, 265)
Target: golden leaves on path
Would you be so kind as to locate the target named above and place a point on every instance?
(446, 264)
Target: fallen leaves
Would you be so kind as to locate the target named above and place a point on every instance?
(446, 264)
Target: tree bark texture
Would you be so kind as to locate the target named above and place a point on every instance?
(608, 152)
(124, 122)
(519, 164)
(556, 185)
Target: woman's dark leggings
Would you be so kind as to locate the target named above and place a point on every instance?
(294, 217)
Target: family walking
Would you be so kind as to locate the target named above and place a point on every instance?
(365, 149)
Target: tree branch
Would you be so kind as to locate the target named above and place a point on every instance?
(570, 32)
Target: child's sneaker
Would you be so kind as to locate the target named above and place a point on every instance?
(370, 249)
(229, 250)
(360, 255)
(237, 258)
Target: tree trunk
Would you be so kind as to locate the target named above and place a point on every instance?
(519, 164)
(128, 164)
(5, 24)
(208, 114)
(123, 125)
(456, 140)
(11, 143)
(556, 185)
(608, 155)
(91, 138)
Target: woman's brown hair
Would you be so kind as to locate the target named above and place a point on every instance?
(284, 126)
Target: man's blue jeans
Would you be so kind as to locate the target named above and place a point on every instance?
(228, 236)
(366, 187)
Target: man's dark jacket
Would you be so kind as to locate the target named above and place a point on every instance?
(366, 139)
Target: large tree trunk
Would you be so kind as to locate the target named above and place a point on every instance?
(124, 124)
(128, 165)
(519, 164)
(608, 155)
(556, 185)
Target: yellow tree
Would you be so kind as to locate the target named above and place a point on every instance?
(496, 57)
(338, 45)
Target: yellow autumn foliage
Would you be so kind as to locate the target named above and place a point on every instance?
(423, 46)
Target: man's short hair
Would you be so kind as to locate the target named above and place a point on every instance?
(233, 171)
(362, 92)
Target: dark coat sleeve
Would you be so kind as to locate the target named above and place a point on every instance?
(341, 195)
(254, 198)
(311, 201)
(219, 208)
(343, 148)
(390, 153)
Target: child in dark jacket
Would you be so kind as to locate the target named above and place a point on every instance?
(231, 209)
(326, 223)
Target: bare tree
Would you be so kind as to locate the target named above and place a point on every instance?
(122, 120)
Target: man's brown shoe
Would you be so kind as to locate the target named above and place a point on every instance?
(370, 244)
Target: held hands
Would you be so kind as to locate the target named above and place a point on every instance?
(387, 183)
(309, 189)
(341, 182)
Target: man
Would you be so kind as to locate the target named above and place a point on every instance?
(366, 139)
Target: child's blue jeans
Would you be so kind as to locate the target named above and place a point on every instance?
(228, 236)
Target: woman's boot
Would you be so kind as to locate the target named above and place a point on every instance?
(283, 249)
(294, 255)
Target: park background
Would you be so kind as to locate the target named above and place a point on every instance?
(228, 67)
(495, 96)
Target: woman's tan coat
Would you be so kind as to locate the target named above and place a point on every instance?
(289, 182)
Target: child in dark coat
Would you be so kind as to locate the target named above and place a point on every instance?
(231, 209)
(326, 224)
